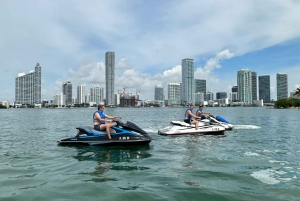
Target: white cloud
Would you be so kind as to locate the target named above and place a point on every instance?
(62, 34)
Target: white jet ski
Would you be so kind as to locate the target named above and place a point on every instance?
(182, 128)
(218, 120)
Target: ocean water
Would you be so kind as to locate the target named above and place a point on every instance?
(258, 160)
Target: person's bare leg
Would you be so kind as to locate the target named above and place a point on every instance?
(108, 131)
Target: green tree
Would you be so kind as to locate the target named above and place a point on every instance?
(297, 92)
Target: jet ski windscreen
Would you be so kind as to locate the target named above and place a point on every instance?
(131, 126)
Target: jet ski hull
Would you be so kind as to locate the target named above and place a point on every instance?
(182, 128)
(121, 135)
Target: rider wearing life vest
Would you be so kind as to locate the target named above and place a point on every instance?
(100, 122)
(200, 113)
(188, 117)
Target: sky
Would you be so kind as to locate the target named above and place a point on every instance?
(69, 40)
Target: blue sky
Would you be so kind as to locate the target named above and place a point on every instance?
(150, 38)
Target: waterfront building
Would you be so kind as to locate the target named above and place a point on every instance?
(282, 85)
(67, 91)
(264, 92)
(199, 98)
(234, 91)
(188, 89)
(87, 98)
(158, 93)
(28, 87)
(234, 96)
(5, 103)
(200, 86)
(209, 96)
(254, 86)
(97, 94)
(59, 100)
(80, 94)
(220, 95)
(110, 78)
(244, 84)
(174, 93)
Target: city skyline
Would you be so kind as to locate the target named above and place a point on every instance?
(149, 42)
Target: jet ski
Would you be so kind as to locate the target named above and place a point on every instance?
(218, 120)
(121, 135)
(182, 128)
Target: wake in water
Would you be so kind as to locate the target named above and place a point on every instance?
(245, 127)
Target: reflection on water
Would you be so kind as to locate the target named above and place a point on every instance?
(112, 159)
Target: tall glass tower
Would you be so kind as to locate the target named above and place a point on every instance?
(96, 94)
(159, 93)
(282, 85)
(264, 92)
(188, 88)
(81, 94)
(28, 87)
(174, 93)
(67, 91)
(200, 86)
(244, 84)
(254, 85)
(110, 78)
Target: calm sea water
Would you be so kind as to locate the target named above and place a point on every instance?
(258, 160)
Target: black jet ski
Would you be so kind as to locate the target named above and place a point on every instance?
(121, 135)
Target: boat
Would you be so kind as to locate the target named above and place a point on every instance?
(218, 120)
(122, 134)
(182, 128)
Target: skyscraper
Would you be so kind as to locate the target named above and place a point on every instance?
(209, 96)
(220, 95)
(200, 86)
(67, 91)
(28, 87)
(282, 85)
(174, 93)
(81, 94)
(264, 88)
(110, 78)
(159, 93)
(244, 84)
(188, 89)
(254, 85)
(96, 94)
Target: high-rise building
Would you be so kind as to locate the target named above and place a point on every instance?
(67, 91)
(158, 93)
(234, 91)
(200, 86)
(209, 96)
(220, 95)
(244, 84)
(199, 98)
(282, 85)
(188, 89)
(28, 87)
(254, 85)
(96, 94)
(264, 92)
(174, 93)
(110, 78)
(59, 100)
(80, 94)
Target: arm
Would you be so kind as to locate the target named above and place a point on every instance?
(111, 117)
